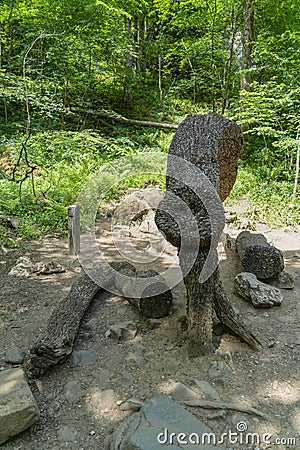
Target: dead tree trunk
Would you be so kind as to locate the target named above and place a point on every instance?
(212, 144)
(56, 344)
(258, 256)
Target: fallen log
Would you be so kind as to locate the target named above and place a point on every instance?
(56, 344)
(120, 119)
(258, 256)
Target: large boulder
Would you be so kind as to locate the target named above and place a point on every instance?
(162, 422)
(18, 408)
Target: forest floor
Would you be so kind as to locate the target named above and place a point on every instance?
(143, 367)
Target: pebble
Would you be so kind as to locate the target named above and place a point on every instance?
(66, 434)
(207, 389)
(283, 320)
(30, 328)
(131, 404)
(126, 379)
(14, 355)
(73, 391)
(122, 332)
(137, 359)
(217, 415)
(54, 407)
(83, 357)
(218, 369)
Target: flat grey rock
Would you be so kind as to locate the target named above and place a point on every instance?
(136, 359)
(73, 391)
(260, 294)
(66, 434)
(161, 422)
(14, 355)
(104, 401)
(83, 357)
(18, 408)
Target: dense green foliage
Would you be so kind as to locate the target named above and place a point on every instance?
(151, 60)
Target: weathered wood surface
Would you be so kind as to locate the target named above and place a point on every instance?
(56, 344)
(213, 144)
(149, 305)
(74, 229)
(258, 256)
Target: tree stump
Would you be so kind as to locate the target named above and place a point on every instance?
(258, 256)
(213, 145)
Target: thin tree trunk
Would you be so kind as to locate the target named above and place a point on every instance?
(159, 82)
(297, 172)
(127, 96)
(247, 44)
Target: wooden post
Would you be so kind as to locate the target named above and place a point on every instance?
(74, 229)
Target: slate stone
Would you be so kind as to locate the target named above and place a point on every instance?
(151, 428)
(73, 391)
(260, 294)
(83, 357)
(14, 355)
(18, 408)
(66, 434)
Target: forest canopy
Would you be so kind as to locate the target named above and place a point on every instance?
(68, 67)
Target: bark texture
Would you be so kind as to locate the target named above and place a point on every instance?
(213, 144)
(56, 344)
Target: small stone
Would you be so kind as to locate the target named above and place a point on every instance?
(131, 404)
(126, 379)
(137, 359)
(138, 348)
(30, 328)
(73, 391)
(284, 281)
(66, 434)
(92, 433)
(14, 355)
(180, 392)
(54, 407)
(260, 294)
(207, 389)
(217, 415)
(83, 357)
(104, 401)
(219, 369)
(123, 331)
(283, 320)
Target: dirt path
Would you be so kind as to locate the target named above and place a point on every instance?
(144, 366)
